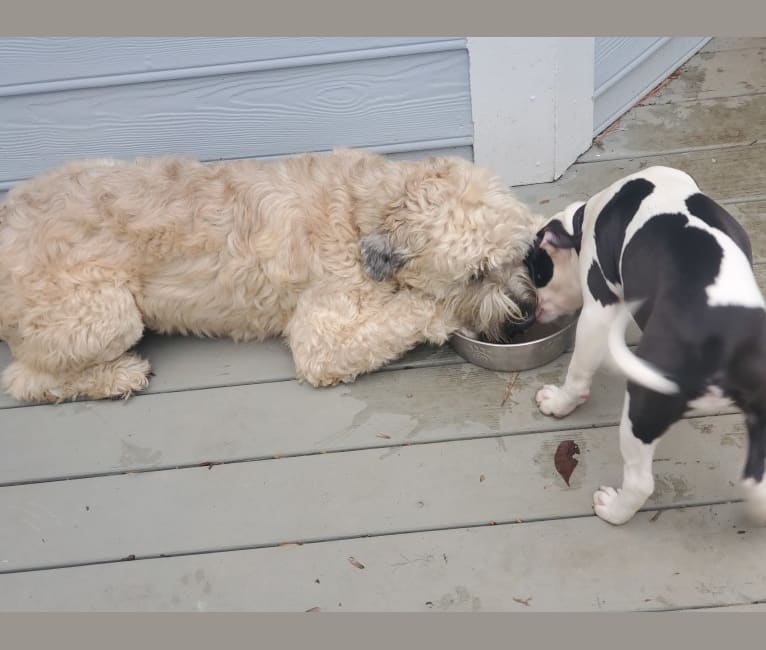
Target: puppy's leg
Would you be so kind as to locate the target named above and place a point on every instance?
(754, 482)
(335, 335)
(75, 346)
(589, 352)
(645, 417)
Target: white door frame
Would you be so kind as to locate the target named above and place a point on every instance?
(532, 103)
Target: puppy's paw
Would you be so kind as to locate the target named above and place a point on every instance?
(755, 501)
(552, 400)
(611, 506)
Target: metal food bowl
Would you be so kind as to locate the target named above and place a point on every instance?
(541, 343)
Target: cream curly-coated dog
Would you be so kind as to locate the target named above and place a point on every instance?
(353, 257)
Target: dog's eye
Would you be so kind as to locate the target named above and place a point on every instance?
(481, 273)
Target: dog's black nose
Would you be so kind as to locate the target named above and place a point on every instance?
(514, 328)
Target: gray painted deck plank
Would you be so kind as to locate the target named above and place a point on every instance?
(189, 363)
(719, 43)
(286, 418)
(731, 175)
(724, 73)
(260, 420)
(661, 128)
(368, 492)
(696, 557)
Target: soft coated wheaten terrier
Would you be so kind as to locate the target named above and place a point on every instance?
(353, 257)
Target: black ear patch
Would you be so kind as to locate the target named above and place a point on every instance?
(379, 257)
(577, 218)
(556, 235)
(539, 264)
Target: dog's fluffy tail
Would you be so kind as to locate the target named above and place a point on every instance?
(635, 369)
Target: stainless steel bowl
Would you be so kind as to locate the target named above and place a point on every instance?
(538, 345)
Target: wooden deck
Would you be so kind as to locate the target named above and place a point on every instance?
(426, 486)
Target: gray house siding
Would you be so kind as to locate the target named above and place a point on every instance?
(65, 98)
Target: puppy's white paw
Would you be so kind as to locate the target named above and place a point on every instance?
(611, 505)
(755, 501)
(552, 400)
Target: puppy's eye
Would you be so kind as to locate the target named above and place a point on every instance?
(542, 270)
(479, 276)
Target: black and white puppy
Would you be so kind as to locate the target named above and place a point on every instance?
(653, 246)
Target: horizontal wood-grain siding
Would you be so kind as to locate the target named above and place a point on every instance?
(403, 96)
(35, 60)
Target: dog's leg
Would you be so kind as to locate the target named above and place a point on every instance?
(77, 347)
(646, 416)
(618, 505)
(334, 336)
(754, 482)
(121, 378)
(589, 352)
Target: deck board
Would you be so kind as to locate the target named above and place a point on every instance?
(663, 128)
(724, 73)
(732, 175)
(181, 363)
(694, 557)
(367, 492)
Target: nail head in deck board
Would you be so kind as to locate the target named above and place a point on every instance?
(366, 492)
(565, 565)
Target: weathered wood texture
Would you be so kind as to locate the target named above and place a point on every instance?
(367, 492)
(708, 124)
(726, 73)
(729, 175)
(692, 557)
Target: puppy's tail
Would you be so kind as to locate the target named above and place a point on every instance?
(635, 369)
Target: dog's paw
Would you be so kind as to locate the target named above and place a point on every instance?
(611, 506)
(552, 400)
(755, 501)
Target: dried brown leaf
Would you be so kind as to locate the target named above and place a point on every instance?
(564, 459)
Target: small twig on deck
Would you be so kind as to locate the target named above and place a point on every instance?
(509, 388)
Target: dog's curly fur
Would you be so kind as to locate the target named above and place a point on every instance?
(353, 257)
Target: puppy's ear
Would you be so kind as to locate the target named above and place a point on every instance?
(555, 235)
(379, 256)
